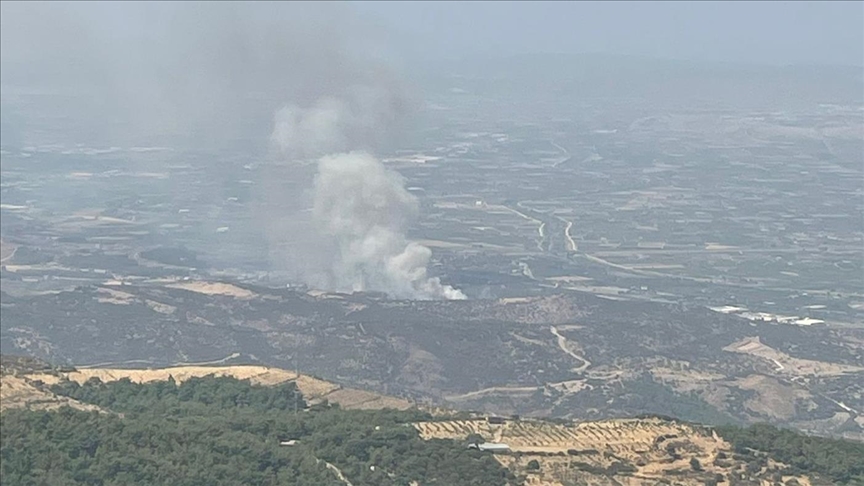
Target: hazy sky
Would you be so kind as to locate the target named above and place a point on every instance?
(174, 65)
(771, 32)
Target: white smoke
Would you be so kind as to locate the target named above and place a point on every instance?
(359, 205)
(364, 207)
(208, 75)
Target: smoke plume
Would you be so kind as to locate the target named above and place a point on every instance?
(208, 76)
(360, 206)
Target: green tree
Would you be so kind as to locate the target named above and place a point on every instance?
(217, 431)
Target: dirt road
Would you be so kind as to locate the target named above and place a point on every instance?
(562, 343)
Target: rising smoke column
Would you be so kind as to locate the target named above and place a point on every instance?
(358, 204)
(209, 75)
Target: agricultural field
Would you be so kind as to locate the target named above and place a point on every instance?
(676, 251)
(634, 451)
(638, 451)
(28, 389)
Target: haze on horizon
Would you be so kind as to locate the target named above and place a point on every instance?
(757, 32)
(292, 81)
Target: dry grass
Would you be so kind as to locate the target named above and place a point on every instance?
(313, 389)
(787, 365)
(116, 297)
(214, 288)
(641, 443)
(160, 307)
(772, 398)
(19, 392)
(620, 436)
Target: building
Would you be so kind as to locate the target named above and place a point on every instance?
(490, 447)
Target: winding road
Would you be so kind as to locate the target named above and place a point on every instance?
(540, 225)
(571, 243)
(11, 253)
(562, 343)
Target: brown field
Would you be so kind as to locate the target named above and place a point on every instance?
(787, 365)
(618, 436)
(214, 288)
(313, 389)
(565, 450)
(772, 398)
(568, 452)
(116, 297)
(17, 392)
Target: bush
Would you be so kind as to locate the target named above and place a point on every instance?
(836, 459)
(475, 439)
(222, 431)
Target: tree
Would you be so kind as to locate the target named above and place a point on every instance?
(695, 464)
(837, 459)
(474, 439)
(219, 431)
(533, 465)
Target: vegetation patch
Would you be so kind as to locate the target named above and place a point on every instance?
(223, 431)
(841, 461)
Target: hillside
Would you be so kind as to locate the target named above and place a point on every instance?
(30, 388)
(568, 355)
(626, 451)
(223, 431)
(637, 451)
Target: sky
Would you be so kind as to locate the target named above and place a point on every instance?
(167, 66)
(773, 32)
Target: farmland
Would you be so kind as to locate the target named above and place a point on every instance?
(638, 451)
(677, 248)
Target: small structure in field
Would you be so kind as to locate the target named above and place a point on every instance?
(490, 447)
